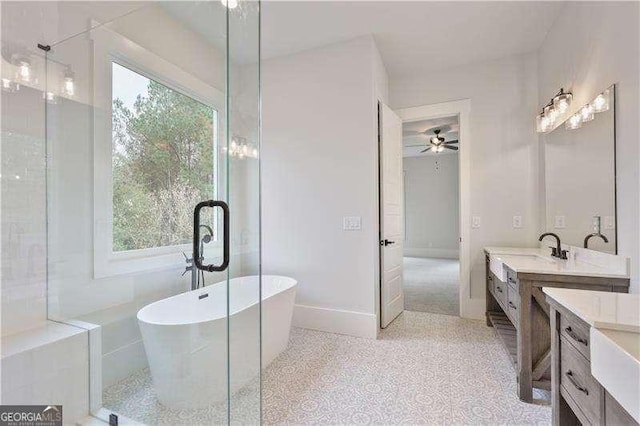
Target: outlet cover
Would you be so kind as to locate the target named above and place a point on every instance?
(475, 222)
(560, 222)
(351, 223)
(609, 222)
(517, 222)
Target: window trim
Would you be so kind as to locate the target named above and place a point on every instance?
(110, 47)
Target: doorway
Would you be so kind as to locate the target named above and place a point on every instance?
(431, 256)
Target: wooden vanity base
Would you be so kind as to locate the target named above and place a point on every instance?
(519, 313)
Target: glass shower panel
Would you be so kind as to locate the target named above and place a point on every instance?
(146, 116)
(243, 156)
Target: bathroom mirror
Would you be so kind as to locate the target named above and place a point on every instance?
(580, 176)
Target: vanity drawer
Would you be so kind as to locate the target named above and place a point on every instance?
(576, 333)
(512, 278)
(500, 291)
(576, 380)
(513, 302)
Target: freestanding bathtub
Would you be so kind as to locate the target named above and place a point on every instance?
(185, 338)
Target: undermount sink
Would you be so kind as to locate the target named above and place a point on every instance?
(496, 263)
(615, 363)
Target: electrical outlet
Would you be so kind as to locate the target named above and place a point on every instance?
(351, 223)
(475, 222)
(609, 222)
(560, 222)
(517, 222)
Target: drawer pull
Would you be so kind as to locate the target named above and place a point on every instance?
(490, 278)
(499, 289)
(511, 280)
(512, 306)
(569, 375)
(575, 337)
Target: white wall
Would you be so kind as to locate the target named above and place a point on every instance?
(431, 206)
(591, 46)
(319, 165)
(504, 152)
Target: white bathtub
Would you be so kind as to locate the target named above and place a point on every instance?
(185, 338)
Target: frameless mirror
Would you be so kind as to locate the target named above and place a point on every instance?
(580, 179)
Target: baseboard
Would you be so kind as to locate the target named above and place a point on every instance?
(351, 323)
(432, 252)
(473, 309)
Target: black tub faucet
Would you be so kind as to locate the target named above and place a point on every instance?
(555, 251)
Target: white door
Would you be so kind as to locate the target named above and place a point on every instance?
(391, 215)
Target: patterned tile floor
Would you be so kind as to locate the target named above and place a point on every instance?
(424, 369)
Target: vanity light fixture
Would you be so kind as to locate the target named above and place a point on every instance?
(240, 148)
(556, 107)
(587, 112)
(24, 70)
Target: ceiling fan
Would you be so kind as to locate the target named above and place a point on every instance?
(437, 143)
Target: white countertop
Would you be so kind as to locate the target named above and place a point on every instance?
(600, 309)
(581, 262)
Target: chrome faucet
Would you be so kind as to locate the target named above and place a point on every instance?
(595, 234)
(197, 277)
(555, 251)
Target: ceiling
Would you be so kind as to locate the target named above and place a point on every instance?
(414, 36)
(414, 143)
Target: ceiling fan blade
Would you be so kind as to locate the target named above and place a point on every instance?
(454, 148)
(425, 150)
(449, 142)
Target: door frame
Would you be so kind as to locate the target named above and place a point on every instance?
(469, 307)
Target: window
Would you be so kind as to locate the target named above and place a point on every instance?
(163, 161)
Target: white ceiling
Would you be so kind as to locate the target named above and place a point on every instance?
(414, 140)
(414, 36)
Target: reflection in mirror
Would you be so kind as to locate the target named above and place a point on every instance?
(579, 161)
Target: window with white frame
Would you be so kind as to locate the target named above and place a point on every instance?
(163, 161)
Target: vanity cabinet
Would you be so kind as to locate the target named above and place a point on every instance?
(576, 396)
(519, 313)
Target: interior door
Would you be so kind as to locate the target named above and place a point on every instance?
(391, 215)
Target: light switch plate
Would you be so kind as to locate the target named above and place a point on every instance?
(475, 222)
(560, 222)
(517, 222)
(351, 223)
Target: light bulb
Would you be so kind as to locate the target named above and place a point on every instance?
(24, 71)
(601, 102)
(586, 113)
(562, 102)
(68, 85)
(231, 4)
(551, 113)
(8, 86)
(574, 122)
(49, 97)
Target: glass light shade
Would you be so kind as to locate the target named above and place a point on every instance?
(543, 124)
(68, 84)
(562, 101)
(601, 102)
(231, 4)
(586, 113)
(50, 97)
(574, 122)
(9, 86)
(551, 113)
(24, 73)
